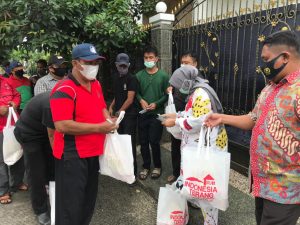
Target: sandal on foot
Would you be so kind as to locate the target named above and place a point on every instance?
(144, 174)
(156, 172)
(171, 179)
(5, 199)
(23, 187)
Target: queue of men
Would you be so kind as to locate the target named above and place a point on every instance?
(62, 129)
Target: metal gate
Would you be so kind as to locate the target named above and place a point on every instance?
(226, 35)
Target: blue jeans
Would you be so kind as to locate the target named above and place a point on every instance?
(11, 177)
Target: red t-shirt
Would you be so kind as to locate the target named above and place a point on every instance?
(71, 101)
(7, 94)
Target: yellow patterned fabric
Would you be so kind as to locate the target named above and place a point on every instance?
(191, 120)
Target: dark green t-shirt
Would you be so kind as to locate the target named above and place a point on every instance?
(152, 88)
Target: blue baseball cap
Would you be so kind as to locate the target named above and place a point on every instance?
(86, 52)
(14, 64)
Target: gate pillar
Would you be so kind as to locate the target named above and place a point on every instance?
(161, 36)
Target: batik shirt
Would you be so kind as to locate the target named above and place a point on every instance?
(191, 120)
(275, 142)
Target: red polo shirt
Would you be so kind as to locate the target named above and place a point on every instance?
(71, 101)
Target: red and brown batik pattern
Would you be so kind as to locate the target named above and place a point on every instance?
(275, 143)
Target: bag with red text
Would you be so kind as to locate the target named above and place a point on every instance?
(172, 208)
(205, 174)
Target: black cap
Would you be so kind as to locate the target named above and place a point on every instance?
(122, 59)
(56, 60)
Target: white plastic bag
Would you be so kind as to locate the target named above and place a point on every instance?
(170, 108)
(172, 208)
(52, 201)
(12, 150)
(206, 174)
(117, 160)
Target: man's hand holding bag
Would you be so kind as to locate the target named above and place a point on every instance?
(117, 160)
(12, 150)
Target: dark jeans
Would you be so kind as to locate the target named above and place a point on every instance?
(150, 131)
(176, 156)
(76, 190)
(272, 213)
(128, 126)
(14, 173)
(39, 164)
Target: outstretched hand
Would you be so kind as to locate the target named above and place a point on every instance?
(169, 122)
(213, 120)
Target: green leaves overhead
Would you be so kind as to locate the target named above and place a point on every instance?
(55, 25)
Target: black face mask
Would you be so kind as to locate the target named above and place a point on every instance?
(268, 69)
(60, 72)
(19, 73)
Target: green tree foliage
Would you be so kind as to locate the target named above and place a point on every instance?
(55, 25)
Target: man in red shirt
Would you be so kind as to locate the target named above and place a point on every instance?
(8, 97)
(20, 83)
(79, 114)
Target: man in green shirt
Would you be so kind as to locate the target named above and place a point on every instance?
(152, 96)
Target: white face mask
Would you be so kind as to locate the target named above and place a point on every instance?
(89, 71)
(182, 65)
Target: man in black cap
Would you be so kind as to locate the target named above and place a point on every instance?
(125, 86)
(57, 68)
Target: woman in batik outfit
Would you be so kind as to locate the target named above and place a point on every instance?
(190, 86)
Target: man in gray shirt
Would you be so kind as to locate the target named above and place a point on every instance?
(57, 67)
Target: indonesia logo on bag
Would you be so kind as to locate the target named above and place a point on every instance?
(178, 217)
(205, 189)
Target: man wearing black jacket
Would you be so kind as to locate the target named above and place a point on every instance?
(33, 130)
(125, 87)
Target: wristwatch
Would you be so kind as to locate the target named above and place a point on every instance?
(117, 113)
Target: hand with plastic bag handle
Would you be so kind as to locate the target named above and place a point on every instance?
(12, 150)
(171, 109)
(117, 160)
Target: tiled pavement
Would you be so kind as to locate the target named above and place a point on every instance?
(119, 204)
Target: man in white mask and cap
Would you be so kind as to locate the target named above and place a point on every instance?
(81, 121)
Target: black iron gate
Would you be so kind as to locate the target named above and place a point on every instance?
(227, 42)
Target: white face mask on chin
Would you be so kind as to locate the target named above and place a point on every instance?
(89, 71)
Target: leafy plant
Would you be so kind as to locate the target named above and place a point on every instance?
(55, 26)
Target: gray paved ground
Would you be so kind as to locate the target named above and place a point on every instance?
(119, 204)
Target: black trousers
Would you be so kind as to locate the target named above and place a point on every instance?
(76, 190)
(150, 132)
(272, 213)
(128, 126)
(176, 156)
(39, 165)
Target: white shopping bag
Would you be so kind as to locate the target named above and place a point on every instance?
(52, 201)
(12, 150)
(172, 208)
(170, 108)
(205, 174)
(117, 160)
